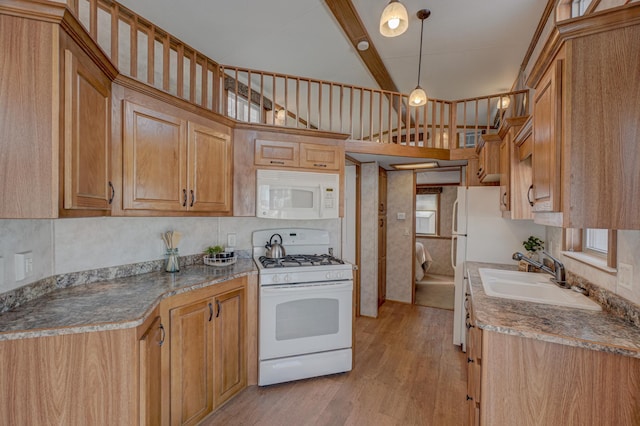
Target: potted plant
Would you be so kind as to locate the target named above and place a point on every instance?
(532, 245)
(214, 251)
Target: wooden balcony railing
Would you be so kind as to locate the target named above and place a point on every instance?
(141, 50)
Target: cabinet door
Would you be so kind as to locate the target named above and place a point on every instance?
(272, 153)
(150, 373)
(154, 163)
(230, 345)
(192, 373)
(546, 141)
(210, 170)
(505, 162)
(322, 157)
(382, 260)
(87, 134)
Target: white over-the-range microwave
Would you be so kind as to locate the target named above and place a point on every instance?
(284, 194)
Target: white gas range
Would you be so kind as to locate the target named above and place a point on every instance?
(306, 307)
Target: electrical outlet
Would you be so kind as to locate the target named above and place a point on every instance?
(625, 275)
(231, 240)
(23, 263)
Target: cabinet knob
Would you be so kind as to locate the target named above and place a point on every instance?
(469, 398)
(469, 360)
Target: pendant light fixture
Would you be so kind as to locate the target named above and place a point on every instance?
(418, 96)
(394, 20)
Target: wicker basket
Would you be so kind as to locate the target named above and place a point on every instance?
(219, 261)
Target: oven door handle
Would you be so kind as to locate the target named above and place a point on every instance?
(339, 285)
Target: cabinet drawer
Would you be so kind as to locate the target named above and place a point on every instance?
(272, 153)
(320, 157)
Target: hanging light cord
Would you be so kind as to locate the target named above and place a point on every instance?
(420, 57)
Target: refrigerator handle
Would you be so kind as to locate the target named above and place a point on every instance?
(454, 217)
(453, 252)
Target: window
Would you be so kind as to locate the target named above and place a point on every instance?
(596, 241)
(427, 207)
(596, 247)
(245, 112)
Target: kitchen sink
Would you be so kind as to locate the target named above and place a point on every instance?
(532, 287)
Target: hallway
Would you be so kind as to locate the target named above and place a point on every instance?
(407, 372)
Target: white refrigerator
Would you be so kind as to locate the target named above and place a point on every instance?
(480, 234)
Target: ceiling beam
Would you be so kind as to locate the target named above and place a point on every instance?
(348, 18)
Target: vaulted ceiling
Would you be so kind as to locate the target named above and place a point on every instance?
(471, 48)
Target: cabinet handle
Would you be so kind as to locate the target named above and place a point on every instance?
(528, 196)
(469, 398)
(276, 162)
(184, 198)
(504, 201)
(193, 198)
(210, 311)
(469, 360)
(113, 192)
(164, 334)
(319, 165)
(219, 308)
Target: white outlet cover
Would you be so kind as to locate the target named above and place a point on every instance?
(231, 240)
(19, 266)
(625, 275)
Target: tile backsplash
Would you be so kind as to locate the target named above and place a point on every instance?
(63, 246)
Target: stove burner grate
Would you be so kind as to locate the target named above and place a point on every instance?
(300, 260)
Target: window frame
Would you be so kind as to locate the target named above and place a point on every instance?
(573, 246)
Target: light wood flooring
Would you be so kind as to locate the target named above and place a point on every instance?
(407, 372)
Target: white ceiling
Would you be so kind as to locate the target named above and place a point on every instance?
(471, 48)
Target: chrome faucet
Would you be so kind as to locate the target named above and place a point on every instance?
(557, 271)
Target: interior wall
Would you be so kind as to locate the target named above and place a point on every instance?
(400, 201)
(440, 247)
(369, 239)
(19, 236)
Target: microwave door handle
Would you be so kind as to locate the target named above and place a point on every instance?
(321, 201)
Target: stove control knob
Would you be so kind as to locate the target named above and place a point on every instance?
(287, 278)
(338, 275)
(275, 278)
(329, 275)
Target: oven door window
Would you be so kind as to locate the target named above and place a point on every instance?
(307, 318)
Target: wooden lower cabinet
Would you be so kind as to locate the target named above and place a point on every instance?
(230, 347)
(208, 349)
(517, 380)
(150, 354)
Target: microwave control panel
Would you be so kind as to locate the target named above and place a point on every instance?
(329, 198)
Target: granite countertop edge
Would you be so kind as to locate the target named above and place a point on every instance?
(189, 279)
(600, 331)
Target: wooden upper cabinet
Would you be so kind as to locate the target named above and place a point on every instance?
(274, 153)
(210, 169)
(547, 143)
(299, 155)
(489, 158)
(87, 134)
(505, 174)
(154, 160)
(172, 164)
(324, 157)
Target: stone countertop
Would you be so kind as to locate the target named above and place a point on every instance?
(112, 304)
(602, 331)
